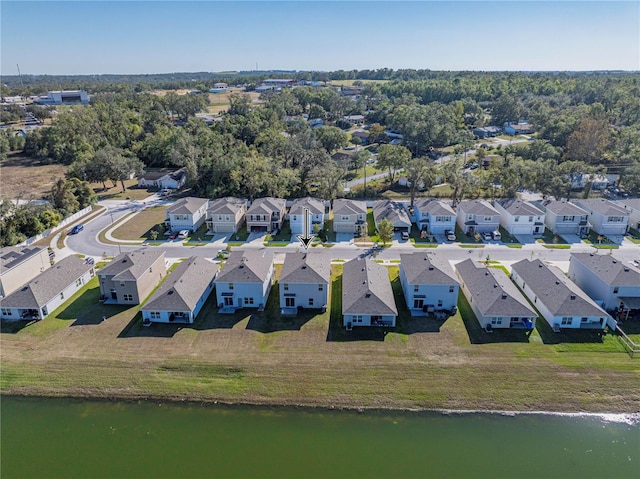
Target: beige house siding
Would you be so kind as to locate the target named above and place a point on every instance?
(138, 289)
(14, 278)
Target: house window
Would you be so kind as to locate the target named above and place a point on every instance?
(122, 284)
(416, 288)
(155, 314)
(321, 287)
(566, 321)
(496, 320)
(530, 219)
(615, 290)
(614, 219)
(227, 218)
(128, 297)
(469, 217)
(219, 217)
(584, 320)
(516, 219)
(568, 218)
(6, 312)
(61, 295)
(248, 300)
(344, 218)
(290, 302)
(295, 218)
(151, 270)
(418, 303)
(487, 219)
(452, 288)
(230, 285)
(285, 286)
(439, 303)
(310, 301)
(356, 318)
(79, 282)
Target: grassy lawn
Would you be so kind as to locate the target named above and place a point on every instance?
(633, 236)
(600, 241)
(132, 192)
(506, 237)
(549, 238)
(26, 177)
(311, 360)
(139, 226)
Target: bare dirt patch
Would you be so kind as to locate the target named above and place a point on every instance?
(25, 177)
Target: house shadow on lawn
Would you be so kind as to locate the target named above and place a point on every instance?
(411, 325)
(549, 336)
(13, 327)
(87, 310)
(265, 323)
(477, 335)
(135, 329)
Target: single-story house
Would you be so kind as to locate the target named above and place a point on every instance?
(477, 216)
(363, 135)
(43, 294)
(266, 214)
(226, 215)
(316, 211)
(434, 215)
(487, 131)
(244, 281)
(560, 302)
(304, 282)
(579, 181)
(392, 211)
(355, 119)
(428, 283)
(564, 217)
(367, 297)
(162, 179)
(520, 128)
(610, 282)
(184, 291)
(632, 205)
(131, 277)
(350, 216)
(186, 214)
(519, 217)
(494, 299)
(606, 217)
(20, 265)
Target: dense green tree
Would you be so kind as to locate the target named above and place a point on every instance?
(331, 138)
(393, 158)
(385, 231)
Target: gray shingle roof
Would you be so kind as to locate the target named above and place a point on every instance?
(611, 270)
(246, 267)
(604, 207)
(427, 268)
(392, 211)
(631, 203)
(493, 292)
(266, 205)
(130, 266)
(44, 287)
(561, 296)
(314, 205)
(186, 206)
(563, 208)
(10, 256)
(516, 206)
(366, 289)
(182, 288)
(229, 206)
(349, 207)
(477, 207)
(309, 268)
(434, 206)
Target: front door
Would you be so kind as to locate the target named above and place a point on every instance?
(418, 303)
(290, 302)
(228, 301)
(114, 294)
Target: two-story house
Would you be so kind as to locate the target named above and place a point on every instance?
(316, 210)
(266, 214)
(519, 217)
(477, 216)
(44, 293)
(244, 281)
(633, 206)
(563, 217)
(607, 280)
(428, 283)
(367, 297)
(20, 265)
(560, 302)
(350, 216)
(304, 282)
(434, 215)
(606, 217)
(494, 299)
(181, 296)
(186, 214)
(226, 215)
(131, 277)
(394, 212)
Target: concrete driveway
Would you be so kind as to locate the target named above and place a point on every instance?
(344, 237)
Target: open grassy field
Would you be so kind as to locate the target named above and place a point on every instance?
(139, 226)
(132, 192)
(26, 177)
(311, 360)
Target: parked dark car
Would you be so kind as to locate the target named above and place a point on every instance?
(76, 229)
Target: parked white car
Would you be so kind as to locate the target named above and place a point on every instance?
(183, 234)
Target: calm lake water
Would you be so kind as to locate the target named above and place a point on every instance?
(51, 438)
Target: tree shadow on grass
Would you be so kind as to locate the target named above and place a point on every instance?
(13, 327)
(549, 336)
(477, 335)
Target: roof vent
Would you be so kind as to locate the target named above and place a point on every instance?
(430, 268)
(495, 285)
(626, 270)
(572, 297)
(304, 266)
(368, 295)
(504, 296)
(557, 282)
(614, 262)
(170, 292)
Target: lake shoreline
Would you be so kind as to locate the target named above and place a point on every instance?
(628, 417)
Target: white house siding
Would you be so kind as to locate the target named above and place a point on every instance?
(597, 289)
(483, 225)
(188, 222)
(296, 223)
(259, 292)
(366, 320)
(439, 227)
(301, 293)
(344, 227)
(191, 315)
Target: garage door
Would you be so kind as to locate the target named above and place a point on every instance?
(341, 228)
(521, 230)
(224, 229)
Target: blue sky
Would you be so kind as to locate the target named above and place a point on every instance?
(91, 37)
